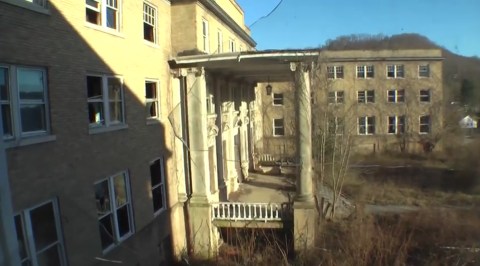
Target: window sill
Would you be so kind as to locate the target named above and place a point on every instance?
(99, 130)
(28, 5)
(151, 44)
(160, 212)
(26, 141)
(103, 29)
(153, 121)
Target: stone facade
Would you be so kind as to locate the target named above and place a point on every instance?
(413, 90)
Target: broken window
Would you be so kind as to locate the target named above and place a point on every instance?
(157, 178)
(105, 100)
(104, 13)
(114, 210)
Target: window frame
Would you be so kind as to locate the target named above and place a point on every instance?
(367, 70)
(28, 236)
(366, 97)
(427, 66)
(15, 103)
(152, 14)
(336, 97)
(422, 97)
(155, 100)
(398, 123)
(104, 6)
(277, 101)
(275, 127)
(428, 124)
(369, 126)
(205, 36)
(114, 207)
(231, 45)
(335, 72)
(105, 100)
(395, 69)
(219, 41)
(162, 185)
(397, 97)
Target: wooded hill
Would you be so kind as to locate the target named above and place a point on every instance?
(461, 74)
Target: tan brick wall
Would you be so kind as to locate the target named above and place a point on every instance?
(67, 168)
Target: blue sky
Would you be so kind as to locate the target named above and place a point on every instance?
(453, 24)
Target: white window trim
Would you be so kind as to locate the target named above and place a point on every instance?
(396, 124)
(156, 100)
(366, 96)
(19, 138)
(420, 124)
(273, 99)
(219, 41)
(36, 7)
(29, 236)
(366, 125)
(336, 97)
(205, 36)
(275, 127)
(231, 45)
(365, 68)
(162, 183)
(395, 71)
(428, 71)
(109, 125)
(103, 15)
(154, 24)
(114, 209)
(395, 100)
(335, 72)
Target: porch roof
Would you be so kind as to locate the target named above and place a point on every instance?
(249, 66)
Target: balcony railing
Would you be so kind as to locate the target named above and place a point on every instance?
(242, 211)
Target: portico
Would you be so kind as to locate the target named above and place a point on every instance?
(221, 115)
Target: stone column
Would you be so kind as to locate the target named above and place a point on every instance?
(204, 235)
(304, 208)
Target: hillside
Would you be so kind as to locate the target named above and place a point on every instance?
(457, 69)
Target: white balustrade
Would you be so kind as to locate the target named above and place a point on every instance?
(243, 211)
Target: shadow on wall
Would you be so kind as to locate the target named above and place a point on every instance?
(86, 82)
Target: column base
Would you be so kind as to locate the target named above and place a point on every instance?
(204, 235)
(304, 226)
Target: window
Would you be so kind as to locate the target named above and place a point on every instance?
(335, 97)
(157, 177)
(424, 71)
(149, 23)
(231, 45)
(335, 72)
(396, 96)
(151, 100)
(205, 35)
(365, 72)
(105, 101)
(336, 125)
(41, 3)
(23, 99)
(366, 96)
(39, 235)
(104, 13)
(219, 42)
(240, 48)
(278, 127)
(114, 210)
(366, 125)
(395, 71)
(396, 124)
(425, 96)
(277, 98)
(424, 124)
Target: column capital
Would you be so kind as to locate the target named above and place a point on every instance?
(303, 66)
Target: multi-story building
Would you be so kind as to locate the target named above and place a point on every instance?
(388, 100)
(95, 125)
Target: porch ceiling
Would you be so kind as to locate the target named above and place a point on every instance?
(250, 66)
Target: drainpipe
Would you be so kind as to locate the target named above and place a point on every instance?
(9, 253)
